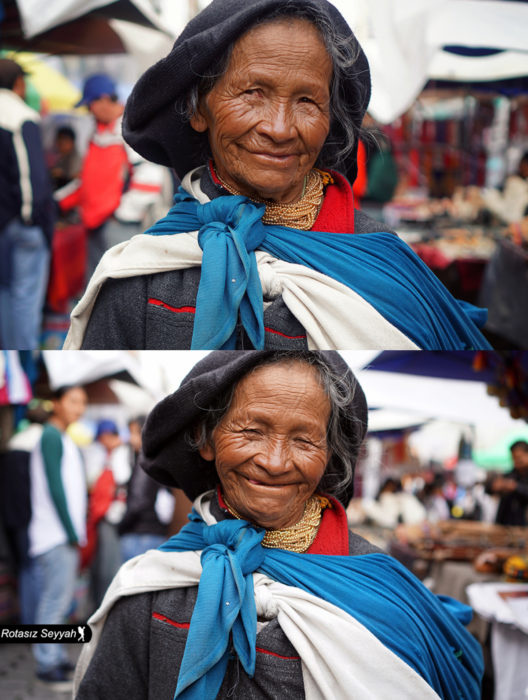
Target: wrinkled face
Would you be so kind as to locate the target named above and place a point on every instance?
(268, 116)
(270, 448)
(71, 406)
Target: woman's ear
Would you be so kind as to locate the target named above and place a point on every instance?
(207, 452)
(198, 120)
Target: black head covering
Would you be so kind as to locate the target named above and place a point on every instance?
(151, 124)
(166, 454)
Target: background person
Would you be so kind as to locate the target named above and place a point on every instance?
(27, 215)
(269, 109)
(512, 488)
(149, 506)
(266, 443)
(108, 470)
(57, 527)
(66, 160)
(116, 186)
(510, 204)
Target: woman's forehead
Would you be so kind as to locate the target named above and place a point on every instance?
(288, 383)
(284, 40)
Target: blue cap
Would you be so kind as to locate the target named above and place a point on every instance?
(106, 426)
(95, 87)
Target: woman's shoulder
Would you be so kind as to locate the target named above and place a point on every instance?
(358, 545)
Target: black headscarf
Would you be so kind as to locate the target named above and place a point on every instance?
(154, 128)
(167, 455)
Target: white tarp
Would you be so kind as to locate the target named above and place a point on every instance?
(403, 41)
(37, 16)
(146, 45)
(67, 369)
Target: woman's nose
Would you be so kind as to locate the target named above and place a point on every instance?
(274, 457)
(278, 123)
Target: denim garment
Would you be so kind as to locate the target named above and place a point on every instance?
(22, 297)
(133, 544)
(58, 569)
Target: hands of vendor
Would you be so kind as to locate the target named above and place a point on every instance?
(503, 485)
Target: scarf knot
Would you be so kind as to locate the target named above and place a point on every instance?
(234, 217)
(238, 542)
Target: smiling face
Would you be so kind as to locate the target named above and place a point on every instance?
(268, 116)
(270, 447)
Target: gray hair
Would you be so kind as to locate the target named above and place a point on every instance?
(340, 390)
(343, 52)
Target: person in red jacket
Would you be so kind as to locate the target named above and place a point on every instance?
(116, 185)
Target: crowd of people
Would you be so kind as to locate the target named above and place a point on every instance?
(86, 508)
(491, 496)
(113, 191)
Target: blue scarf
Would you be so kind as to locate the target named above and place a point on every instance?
(425, 632)
(377, 266)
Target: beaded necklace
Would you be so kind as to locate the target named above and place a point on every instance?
(298, 537)
(301, 214)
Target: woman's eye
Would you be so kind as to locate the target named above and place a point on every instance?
(252, 91)
(251, 431)
(306, 100)
(303, 441)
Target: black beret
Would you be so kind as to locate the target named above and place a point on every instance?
(166, 454)
(151, 124)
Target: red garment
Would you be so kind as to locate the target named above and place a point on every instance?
(337, 212)
(103, 177)
(67, 267)
(360, 183)
(101, 497)
(332, 536)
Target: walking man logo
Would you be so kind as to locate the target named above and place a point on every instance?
(80, 630)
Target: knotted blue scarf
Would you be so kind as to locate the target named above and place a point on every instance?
(425, 632)
(377, 266)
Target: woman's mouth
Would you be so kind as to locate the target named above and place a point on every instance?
(277, 158)
(266, 484)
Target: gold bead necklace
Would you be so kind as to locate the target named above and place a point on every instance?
(301, 214)
(298, 537)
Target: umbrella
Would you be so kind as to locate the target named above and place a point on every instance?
(57, 92)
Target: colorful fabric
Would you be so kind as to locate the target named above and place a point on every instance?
(379, 267)
(425, 632)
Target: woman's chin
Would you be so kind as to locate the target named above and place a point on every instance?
(274, 186)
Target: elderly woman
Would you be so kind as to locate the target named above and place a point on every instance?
(257, 100)
(266, 593)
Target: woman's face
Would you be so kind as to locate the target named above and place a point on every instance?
(268, 116)
(270, 448)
